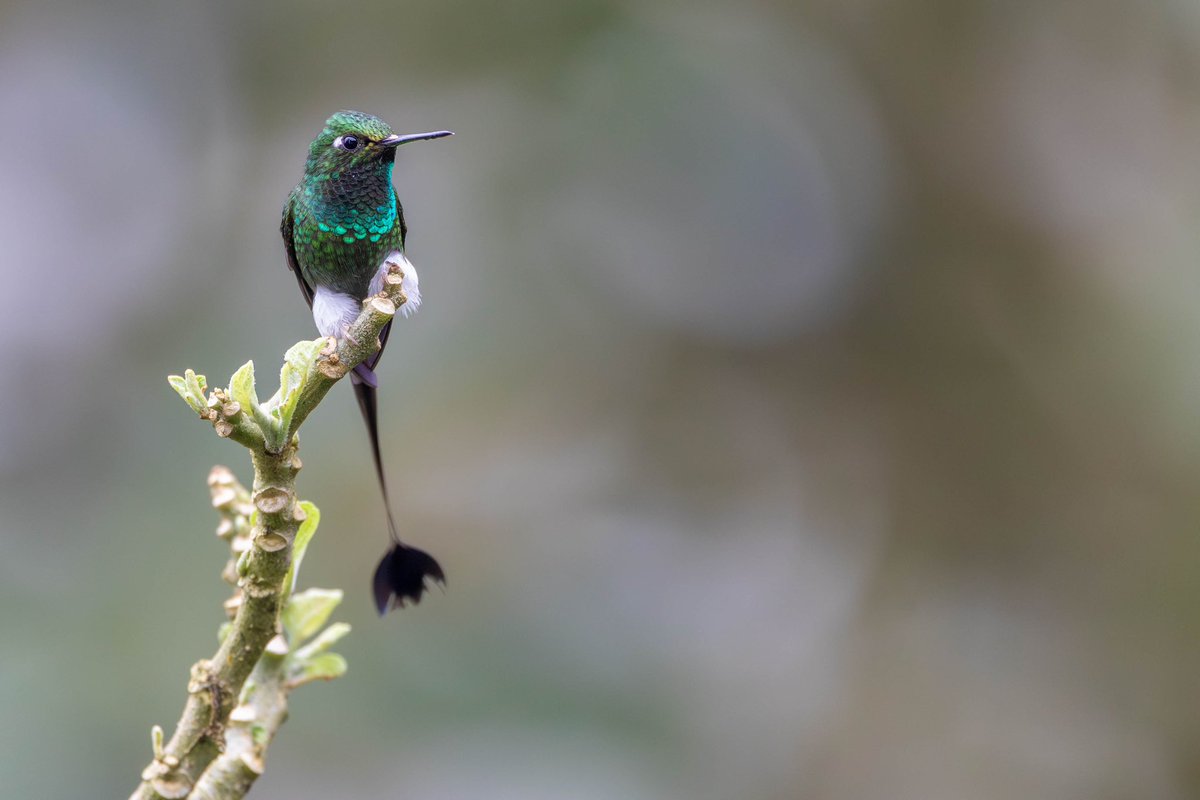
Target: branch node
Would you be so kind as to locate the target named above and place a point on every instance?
(201, 676)
(272, 499)
(220, 475)
(271, 542)
(223, 497)
(253, 762)
(172, 785)
(331, 368)
(382, 305)
(243, 713)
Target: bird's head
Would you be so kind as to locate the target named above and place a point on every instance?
(353, 140)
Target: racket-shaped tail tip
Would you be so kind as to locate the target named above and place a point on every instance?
(401, 575)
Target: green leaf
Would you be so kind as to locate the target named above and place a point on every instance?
(290, 380)
(197, 383)
(241, 386)
(298, 365)
(181, 388)
(270, 428)
(191, 388)
(323, 641)
(303, 356)
(156, 741)
(304, 535)
(242, 389)
(243, 564)
(305, 613)
(324, 667)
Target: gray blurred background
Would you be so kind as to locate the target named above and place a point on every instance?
(805, 403)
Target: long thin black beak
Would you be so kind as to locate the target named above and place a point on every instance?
(397, 140)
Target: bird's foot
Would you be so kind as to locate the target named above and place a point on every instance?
(393, 266)
(346, 335)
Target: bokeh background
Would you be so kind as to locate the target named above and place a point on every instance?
(805, 402)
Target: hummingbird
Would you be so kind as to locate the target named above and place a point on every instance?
(342, 226)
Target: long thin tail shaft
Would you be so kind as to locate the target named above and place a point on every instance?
(368, 405)
(400, 576)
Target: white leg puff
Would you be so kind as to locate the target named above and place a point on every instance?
(334, 311)
(411, 285)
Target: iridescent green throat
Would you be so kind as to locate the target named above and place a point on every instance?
(355, 205)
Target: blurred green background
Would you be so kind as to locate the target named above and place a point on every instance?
(805, 402)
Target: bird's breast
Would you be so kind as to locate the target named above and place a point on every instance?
(355, 225)
(343, 246)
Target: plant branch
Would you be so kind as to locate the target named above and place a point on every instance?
(262, 526)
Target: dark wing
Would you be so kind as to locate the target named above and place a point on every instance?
(287, 229)
(400, 219)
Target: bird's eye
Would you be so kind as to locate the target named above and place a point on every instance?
(347, 142)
